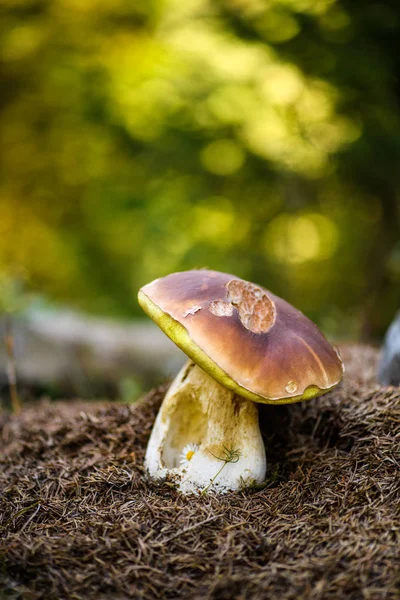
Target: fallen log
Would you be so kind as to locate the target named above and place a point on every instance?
(83, 355)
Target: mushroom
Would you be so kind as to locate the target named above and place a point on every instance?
(245, 345)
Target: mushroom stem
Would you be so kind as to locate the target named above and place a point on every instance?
(205, 437)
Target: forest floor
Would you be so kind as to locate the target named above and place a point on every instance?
(79, 520)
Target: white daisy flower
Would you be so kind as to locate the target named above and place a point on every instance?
(187, 454)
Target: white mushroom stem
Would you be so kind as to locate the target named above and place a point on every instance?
(205, 437)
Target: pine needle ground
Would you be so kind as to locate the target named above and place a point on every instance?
(79, 520)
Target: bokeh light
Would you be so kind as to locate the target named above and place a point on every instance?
(296, 239)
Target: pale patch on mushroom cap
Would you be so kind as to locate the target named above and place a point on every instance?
(247, 338)
(256, 309)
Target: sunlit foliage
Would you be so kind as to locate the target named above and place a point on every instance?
(252, 136)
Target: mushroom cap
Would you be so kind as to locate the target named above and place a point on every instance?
(244, 336)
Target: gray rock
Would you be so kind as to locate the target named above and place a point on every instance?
(389, 365)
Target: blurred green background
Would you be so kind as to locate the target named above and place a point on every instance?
(258, 137)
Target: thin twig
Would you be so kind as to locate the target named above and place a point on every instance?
(179, 533)
(11, 368)
(33, 515)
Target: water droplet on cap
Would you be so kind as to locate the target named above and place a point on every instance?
(291, 387)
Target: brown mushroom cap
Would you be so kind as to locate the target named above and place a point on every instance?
(245, 337)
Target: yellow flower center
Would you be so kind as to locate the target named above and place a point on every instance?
(189, 455)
